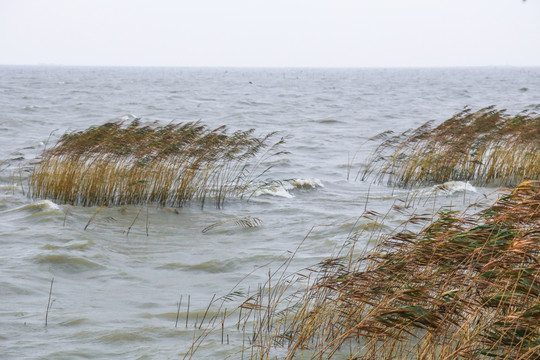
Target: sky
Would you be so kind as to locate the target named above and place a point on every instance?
(271, 33)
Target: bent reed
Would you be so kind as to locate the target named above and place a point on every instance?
(487, 147)
(118, 164)
(464, 287)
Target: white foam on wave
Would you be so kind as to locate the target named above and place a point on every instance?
(46, 205)
(128, 117)
(451, 187)
(40, 206)
(273, 190)
(281, 188)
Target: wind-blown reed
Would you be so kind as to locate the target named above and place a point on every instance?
(488, 147)
(117, 164)
(464, 287)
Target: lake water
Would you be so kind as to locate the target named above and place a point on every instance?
(115, 294)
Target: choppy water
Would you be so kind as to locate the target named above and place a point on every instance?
(115, 294)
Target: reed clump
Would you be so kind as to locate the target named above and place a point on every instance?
(464, 287)
(488, 147)
(118, 164)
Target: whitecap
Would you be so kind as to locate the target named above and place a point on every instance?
(273, 190)
(38, 206)
(451, 187)
(46, 205)
(128, 117)
(306, 183)
(282, 188)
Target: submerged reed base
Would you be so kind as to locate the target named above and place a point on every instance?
(461, 288)
(119, 164)
(488, 147)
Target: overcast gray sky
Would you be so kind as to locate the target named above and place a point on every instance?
(310, 33)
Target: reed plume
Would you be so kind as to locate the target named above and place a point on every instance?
(487, 147)
(118, 164)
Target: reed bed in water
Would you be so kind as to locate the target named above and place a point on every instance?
(488, 147)
(117, 163)
(464, 287)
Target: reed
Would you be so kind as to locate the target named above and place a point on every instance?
(488, 147)
(49, 303)
(118, 164)
(464, 287)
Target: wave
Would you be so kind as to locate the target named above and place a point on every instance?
(451, 187)
(127, 117)
(72, 245)
(282, 188)
(67, 262)
(123, 336)
(211, 266)
(41, 206)
(327, 121)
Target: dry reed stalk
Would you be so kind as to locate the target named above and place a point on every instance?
(464, 287)
(119, 164)
(488, 147)
(267, 311)
(49, 303)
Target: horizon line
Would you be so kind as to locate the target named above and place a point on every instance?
(270, 67)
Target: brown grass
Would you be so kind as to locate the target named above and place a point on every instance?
(118, 164)
(462, 288)
(488, 147)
